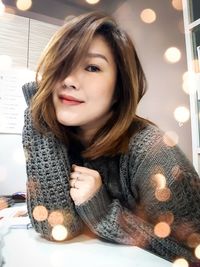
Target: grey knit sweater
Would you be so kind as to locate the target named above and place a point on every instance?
(130, 204)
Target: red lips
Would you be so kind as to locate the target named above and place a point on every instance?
(67, 99)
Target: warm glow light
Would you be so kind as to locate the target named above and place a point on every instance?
(3, 173)
(167, 217)
(180, 263)
(148, 16)
(170, 138)
(159, 180)
(18, 156)
(23, 4)
(5, 62)
(181, 114)
(172, 55)
(193, 240)
(59, 232)
(92, 2)
(163, 194)
(197, 251)
(40, 213)
(176, 172)
(55, 217)
(162, 229)
(177, 4)
(189, 82)
(2, 8)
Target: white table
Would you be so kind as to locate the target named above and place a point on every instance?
(25, 248)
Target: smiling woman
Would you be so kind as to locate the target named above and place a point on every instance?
(92, 160)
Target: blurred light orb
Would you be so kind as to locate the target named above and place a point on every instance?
(163, 194)
(181, 114)
(170, 138)
(193, 240)
(159, 180)
(55, 218)
(92, 2)
(177, 4)
(59, 232)
(167, 217)
(2, 8)
(197, 251)
(162, 229)
(172, 54)
(148, 15)
(40, 213)
(5, 62)
(23, 4)
(180, 263)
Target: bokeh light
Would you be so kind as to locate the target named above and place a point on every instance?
(3, 173)
(159, 180)
(55, 217)
(92, 2)
(163, 194)
(59, 232)
(23, 4)
(5, 62)
(180, 263)
(170, 138)
(172, 54)
(177, 4)
(162, 229)
(148, 15)
(167, 217)
(2, 8)
(197, 251)
(193, 240)
(176, 172)
(40, 213)
(181, 114)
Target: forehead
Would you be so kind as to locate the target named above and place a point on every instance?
(100, 46)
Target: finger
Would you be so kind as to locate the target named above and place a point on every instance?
(72, 183)
(81, 176)
(85, 170)
(76, 175)
(73, 193)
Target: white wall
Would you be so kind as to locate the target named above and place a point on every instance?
(164, 79)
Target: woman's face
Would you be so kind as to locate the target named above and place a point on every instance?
(85, 96)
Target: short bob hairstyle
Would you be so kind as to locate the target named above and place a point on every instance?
(66, 49)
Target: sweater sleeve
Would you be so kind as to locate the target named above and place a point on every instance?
(48, 199)
(109, 219)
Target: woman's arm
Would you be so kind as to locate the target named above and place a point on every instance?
(48, 172)
(110, 220)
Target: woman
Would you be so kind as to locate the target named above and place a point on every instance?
(91, 161)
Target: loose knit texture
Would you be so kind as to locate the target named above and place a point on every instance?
(150, 184)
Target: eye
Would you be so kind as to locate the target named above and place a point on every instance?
(92, 68)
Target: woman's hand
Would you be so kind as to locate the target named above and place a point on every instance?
(84, 183)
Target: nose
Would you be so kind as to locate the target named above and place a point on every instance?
(71, 81)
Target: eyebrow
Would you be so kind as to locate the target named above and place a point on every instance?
(97, 55)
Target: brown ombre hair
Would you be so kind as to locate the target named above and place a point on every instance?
(63, 53)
